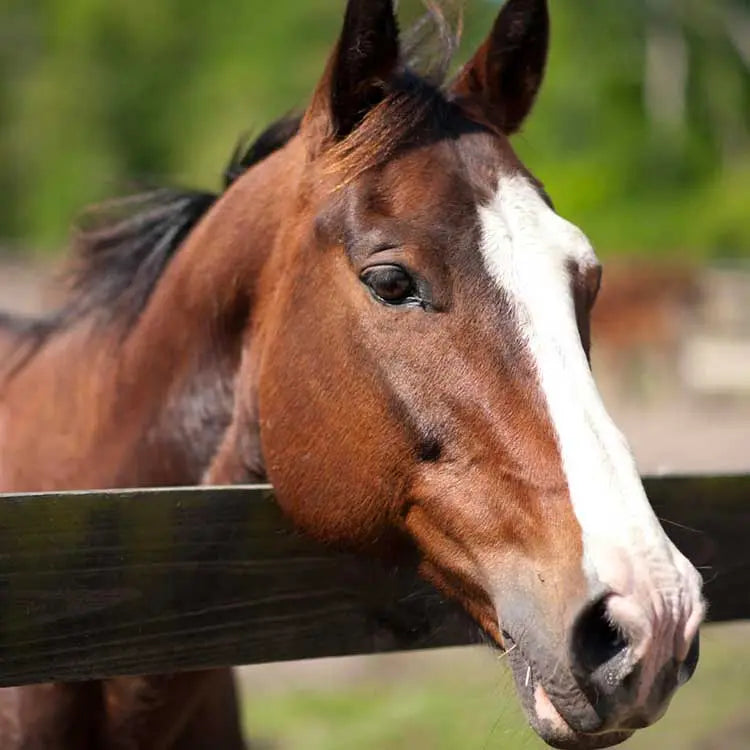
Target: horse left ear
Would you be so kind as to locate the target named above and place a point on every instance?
(355, 79)
(506, 72)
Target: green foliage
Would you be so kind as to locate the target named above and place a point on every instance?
(641, 133)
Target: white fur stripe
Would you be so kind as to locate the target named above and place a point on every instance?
(527, 249)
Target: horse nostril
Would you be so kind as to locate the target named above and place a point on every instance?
(691, 662)
(605, 663)
(596, 641)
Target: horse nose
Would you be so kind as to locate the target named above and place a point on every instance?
(619, 670)
(600, 653)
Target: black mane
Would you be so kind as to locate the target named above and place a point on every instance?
(121, 247)
(245, 155)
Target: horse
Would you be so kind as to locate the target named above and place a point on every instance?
(382, 315)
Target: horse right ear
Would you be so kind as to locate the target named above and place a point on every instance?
(357, 74)
(506, 72)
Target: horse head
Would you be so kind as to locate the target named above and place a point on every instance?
(417, 379)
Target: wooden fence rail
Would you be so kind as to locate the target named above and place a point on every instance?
(98, 584)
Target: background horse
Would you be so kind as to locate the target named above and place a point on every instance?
(383, 316)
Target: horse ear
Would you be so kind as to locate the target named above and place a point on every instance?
(507, 70)
(359, 69)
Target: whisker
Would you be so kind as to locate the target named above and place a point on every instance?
(505, 653)
(680, 525)
(494, 726)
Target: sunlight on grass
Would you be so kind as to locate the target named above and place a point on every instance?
(462, 699)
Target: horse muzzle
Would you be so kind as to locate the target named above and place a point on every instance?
(601, 681)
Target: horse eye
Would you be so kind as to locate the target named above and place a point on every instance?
(391, 284)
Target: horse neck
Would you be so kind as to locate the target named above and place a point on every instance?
(178, 364)
(8, 338)
(13, 328)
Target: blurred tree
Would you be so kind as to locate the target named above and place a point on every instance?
(641, 132)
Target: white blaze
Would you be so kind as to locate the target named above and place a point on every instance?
(527, 249)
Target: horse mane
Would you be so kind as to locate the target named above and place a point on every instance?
(274, 137)
(121, 247)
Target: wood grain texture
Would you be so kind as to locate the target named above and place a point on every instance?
(105, 583)
(100, 584)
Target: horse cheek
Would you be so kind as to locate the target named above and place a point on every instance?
(337, 471)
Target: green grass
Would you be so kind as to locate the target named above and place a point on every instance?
(463, 699)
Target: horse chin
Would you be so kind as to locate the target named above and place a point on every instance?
(544, 718)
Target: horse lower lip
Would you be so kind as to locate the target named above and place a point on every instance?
(525, 677)
(528, 682)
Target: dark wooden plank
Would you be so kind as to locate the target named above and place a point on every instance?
(105, 583)
(708, 518)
